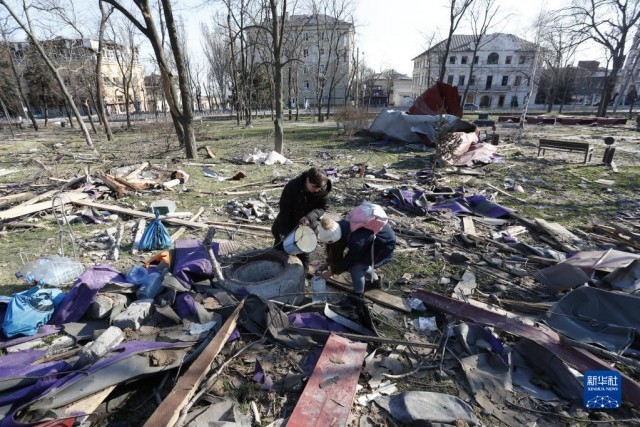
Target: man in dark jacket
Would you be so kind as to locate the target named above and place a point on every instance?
(303, 201)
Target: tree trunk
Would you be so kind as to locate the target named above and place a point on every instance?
(6, 114)
(66, 108)
(189, 138)
(93, 126)
(99, 96)
(57, 76)
(126, 107)
(24, 99)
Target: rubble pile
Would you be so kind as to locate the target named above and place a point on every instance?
(512, 335)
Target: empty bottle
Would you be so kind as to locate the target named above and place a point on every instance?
(151, 286)
(52, 270)
(318, 287)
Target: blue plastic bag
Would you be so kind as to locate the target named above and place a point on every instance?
(155, 236)
(30, 309)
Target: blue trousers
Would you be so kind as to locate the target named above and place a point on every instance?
(360, 273)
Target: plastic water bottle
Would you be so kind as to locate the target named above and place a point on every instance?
(52, 270)
(137, 275)
(151, 287)
(318, 287)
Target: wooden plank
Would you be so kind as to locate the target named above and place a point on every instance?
(135, 246)
(506, 194)
(85, 407)
(376, 295)
(175, 236)
(172, 221)
(169, 410)
(15, 198)
(328, 395)
(209, 152)
(468, 226)
(134, 174)
(21, 210)
(40, 197)
(560, 234)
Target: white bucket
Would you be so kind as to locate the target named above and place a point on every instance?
(302, 239)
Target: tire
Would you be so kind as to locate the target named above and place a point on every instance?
(270, 275)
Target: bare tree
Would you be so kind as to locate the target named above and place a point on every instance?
(481, 18)
(17, 76)
(558, 47)
(125, 52)
(105, 13)
(26, 27)
(607, 23)
(218, 57)
(457, 10)
(180, 105)
(629, 73)
(535, 63)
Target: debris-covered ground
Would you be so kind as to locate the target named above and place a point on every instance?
(511, 281)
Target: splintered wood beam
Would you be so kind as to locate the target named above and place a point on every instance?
(23, 209)
(175, 236)
(166, 220)
(376, 295)
(169, 410)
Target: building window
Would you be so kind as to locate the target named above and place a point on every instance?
(321, 68)
(345, 55)
(472, 81)
(306, 85)
(505, 80)
(493, 58)
(463, 60)
(460, 80)
(522, 60)
(450, 79)
(305, 52)
(517, 81)
(305, 70)
(321, 51)
(476, 59)
(507, 60)
(514, 101)
(306, 37)
(452, 60)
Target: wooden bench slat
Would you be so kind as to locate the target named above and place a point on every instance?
(553, 144)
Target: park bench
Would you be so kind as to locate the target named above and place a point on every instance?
(553, 144)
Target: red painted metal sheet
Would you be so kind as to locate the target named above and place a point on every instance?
(328, 396)
(580, 359)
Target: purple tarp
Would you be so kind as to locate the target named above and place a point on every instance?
(80, 297)
(192, 262)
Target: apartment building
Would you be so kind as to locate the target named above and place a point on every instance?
(321, 48)
(502, 69)
(75, 60)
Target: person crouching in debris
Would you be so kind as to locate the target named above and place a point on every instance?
(303, 201)
(369, 242)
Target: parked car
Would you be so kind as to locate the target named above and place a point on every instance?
(471, 107)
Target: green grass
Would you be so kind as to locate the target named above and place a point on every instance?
(554, 189)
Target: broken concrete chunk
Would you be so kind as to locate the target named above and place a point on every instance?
(103, 305)
(133, 316)
(93, 351)
(100, 307)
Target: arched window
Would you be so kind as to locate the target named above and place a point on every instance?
(493, 58)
